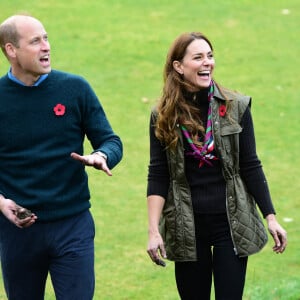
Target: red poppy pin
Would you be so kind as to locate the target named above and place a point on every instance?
(222, 110)
(59, 110)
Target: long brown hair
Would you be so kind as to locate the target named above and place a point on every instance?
(172, 108)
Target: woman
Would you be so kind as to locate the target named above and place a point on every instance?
(205, 178)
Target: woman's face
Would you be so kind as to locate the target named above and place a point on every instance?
(197, 65)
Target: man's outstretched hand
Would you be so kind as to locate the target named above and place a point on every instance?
(95, 160)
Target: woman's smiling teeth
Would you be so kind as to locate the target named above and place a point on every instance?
(204, 73)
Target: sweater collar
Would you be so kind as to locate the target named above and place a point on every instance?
(200, 96)
(15, 79)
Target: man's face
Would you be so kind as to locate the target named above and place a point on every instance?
(32, 56)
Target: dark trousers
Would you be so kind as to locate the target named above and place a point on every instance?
(63, 248)
(216, 259)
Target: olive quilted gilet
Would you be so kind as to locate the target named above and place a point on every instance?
(177, 222)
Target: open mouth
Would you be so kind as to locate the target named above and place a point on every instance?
(45, 60)
(204, 74)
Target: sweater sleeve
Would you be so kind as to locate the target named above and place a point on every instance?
(158, 172)
(251, 168)
(98, 129)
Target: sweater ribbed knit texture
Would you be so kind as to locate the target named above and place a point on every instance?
(36, 170)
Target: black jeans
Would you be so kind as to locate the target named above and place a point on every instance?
(216, 258)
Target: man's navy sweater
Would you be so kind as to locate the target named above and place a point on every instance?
(36, 170)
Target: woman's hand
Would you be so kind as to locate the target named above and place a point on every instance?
(278, 233)
(156, 249)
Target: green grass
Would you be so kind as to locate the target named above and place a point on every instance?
(120, 47)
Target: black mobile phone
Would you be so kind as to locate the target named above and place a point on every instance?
(160, 262)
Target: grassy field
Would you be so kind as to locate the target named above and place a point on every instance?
(120, 47)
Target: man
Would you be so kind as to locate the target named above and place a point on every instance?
(46, 225)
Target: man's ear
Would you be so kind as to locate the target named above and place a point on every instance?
(10, 50)
(177, 67)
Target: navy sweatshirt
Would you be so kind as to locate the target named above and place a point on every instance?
(207, 184)
(39, 127)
